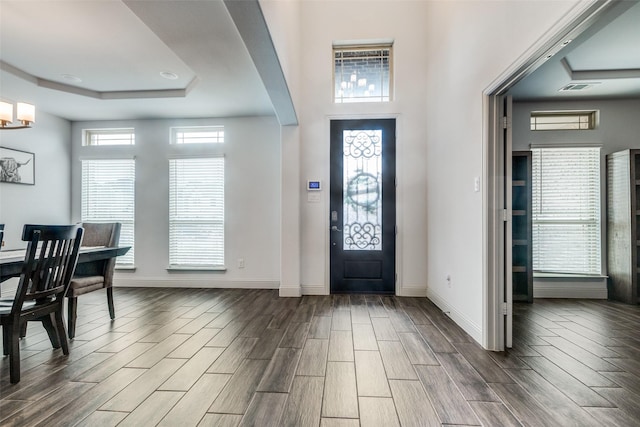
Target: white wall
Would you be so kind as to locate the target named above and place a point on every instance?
(252, 200)
(283, 20)
(445, 55)
(49, 200)
(323, 23)
(469, 44)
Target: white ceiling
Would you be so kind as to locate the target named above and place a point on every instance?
(118, 49)
(606, 56)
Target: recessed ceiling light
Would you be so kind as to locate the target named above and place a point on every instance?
(168, 75)
(72, 78)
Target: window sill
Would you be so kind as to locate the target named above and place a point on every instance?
(220, 268)
(127, 268)
(541, 275)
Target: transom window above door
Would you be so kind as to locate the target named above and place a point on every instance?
(362, 73)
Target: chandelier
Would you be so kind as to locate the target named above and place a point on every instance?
(25, 114)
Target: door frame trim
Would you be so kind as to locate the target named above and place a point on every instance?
(327, 201)
(582, 16)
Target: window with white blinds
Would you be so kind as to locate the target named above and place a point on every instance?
(108, 195)
(196, 212)
(566, 210)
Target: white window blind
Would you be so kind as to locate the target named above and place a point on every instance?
(100, 137)
(196, 212)
(566, 210)
(108, 195)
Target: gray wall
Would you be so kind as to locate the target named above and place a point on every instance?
(48, 201)
(252, 199)
(618, 127)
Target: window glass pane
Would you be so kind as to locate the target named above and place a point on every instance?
(562, 120)
(198, 135)
(566, 210)
(557, 126)
(362, 210)
(109, 137)
(108, 195)
(362, 74)
(196, 212)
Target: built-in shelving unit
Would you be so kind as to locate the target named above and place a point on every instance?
(522, 253)
(623, 235)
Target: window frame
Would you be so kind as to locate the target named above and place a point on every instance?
(590, 120)
(87, 136)
(362, 47)
(174, 130)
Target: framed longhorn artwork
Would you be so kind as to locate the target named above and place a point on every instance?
(17, 167)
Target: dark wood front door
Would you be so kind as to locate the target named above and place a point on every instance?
(363, 206)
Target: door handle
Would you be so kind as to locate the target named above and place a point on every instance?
(335, 228)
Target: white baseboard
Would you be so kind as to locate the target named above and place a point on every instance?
(562, 288)
(314, 290)
(406, 291)
(412, 291)
(151, 282)
(461, 320)
(290, 291)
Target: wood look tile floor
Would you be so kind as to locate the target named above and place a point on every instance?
(186, 357)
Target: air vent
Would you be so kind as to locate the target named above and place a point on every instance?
(574, 87)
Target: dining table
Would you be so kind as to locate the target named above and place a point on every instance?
(90, 260)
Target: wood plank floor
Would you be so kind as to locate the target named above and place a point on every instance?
(246, 357)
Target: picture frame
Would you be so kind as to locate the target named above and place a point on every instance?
(17, 166)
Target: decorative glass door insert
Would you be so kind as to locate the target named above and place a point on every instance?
(362, 190)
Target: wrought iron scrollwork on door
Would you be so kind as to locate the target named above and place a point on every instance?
(362, 151)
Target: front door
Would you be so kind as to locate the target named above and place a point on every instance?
(363, 206)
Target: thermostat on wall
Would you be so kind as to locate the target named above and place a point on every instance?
(314, 185)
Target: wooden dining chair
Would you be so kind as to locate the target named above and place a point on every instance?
(49, 264)
(95, 234)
